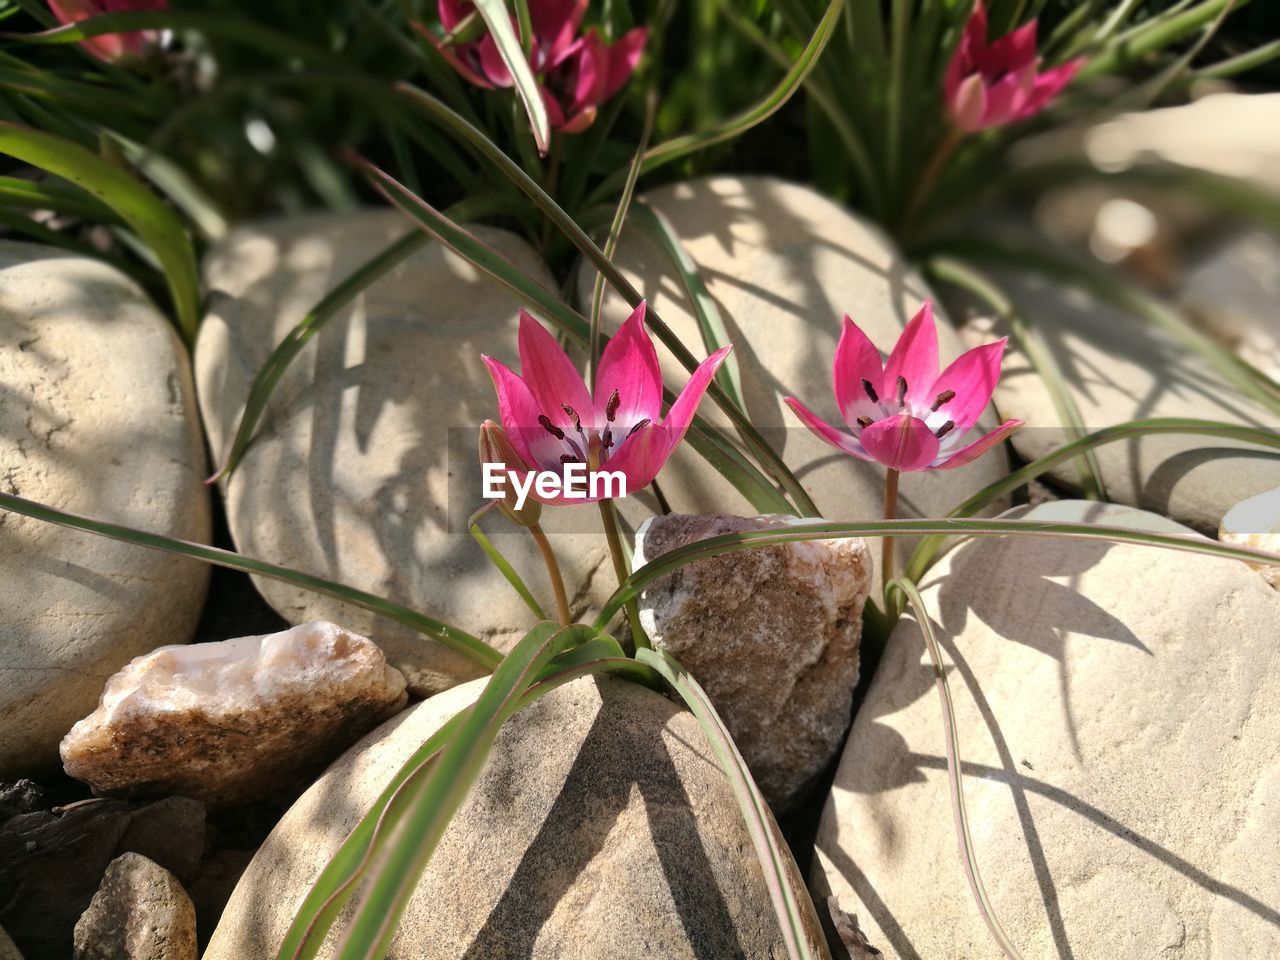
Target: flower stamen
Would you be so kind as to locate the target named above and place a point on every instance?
(871, 391)
(902, 391)
(946, 428)
(946, 396)
(611, 408)
(550, 427)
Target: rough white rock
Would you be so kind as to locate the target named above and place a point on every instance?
(233, 721)
(784, 264)
(140, 912)
(1118, 710)
(601, 828)
(1256, 523)
(772, 634)
(97, 417)
(365, 468)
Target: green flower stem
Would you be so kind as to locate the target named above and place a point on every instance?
(553, 571)
(609, 517)
(499, 561)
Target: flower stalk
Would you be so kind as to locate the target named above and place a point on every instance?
(553, 572)
(886, 543)
(609, 519)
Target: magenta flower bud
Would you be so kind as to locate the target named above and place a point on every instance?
(111, 47)
(495, 448)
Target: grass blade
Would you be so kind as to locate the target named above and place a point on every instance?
(498, 20)
(154, 223)
(459, 640)
(52, 195)
(960, 816)
(759, 822)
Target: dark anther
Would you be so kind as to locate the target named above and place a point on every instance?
(606, 439)
(566, 458)
(946, 428)
(550, 427)
(864, 422)
(871, 391)
(902, 390)
(946, 396)
(572, 415)
(642, 423)
(611, 408)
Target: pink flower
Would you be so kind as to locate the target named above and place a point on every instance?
(111, 47)
(552, 419)
(990, 86)
(576, 73)
(903, 414)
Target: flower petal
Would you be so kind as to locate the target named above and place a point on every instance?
(842, 441)
(624, 55)
(1010, 53)
(968, 103)
(641, 456)
(978, 447)
(856, 360)
(901, 443)
(1047, 86)
(914, 358)
(1007, 97)
(972, 378)
(519, 413)
(550, 375)
(491, 62)
(554, 23)
(629, 365)
(449, 53)
(681, 413)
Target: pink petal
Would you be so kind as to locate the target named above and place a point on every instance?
(624, 56)
(1010, 53)
(588, 68)
(629, 365)
(978, 447)
(451, 57)
(577, 122)
(900, 443)
(519, 413)
(968, 104)
(551, 376)
(495, 68)
(1047, 86)
(856, 360)
(1007, 96)
(555, 22)
(914, 358)
(958, 67)
(555, 114)
(641, 456)
(824, 431)
(451, 13)
(975, 29)
(681, 413)
(972, 377)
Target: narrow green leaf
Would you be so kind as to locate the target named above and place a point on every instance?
(498, 20)
(759, 822)
(53, 195)
(154, 223)
(1153, 35)
(1249, 60)
(960, 816)
(830, 530)
(459, 640)
(504, 566)
(434, 801)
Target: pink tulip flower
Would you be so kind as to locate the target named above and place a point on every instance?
(903, 414)
(111, 47)
(576, 73)
(993, 85)
(552, 419)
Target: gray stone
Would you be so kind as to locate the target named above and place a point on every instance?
(97, 417)
(1256, 523)
(1117, 709)
(601, 827)
(8, 951)
(1118, 369)
(140, 912)
(784, 264)
(365, 468)
(771, 634)
(234, 721)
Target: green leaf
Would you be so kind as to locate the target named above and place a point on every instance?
(927, 550)
(968, 856)
(829, 530)
(154, 223)
(498, 21)
(764, 838)
(433, 802)
(459, 640)
(54, 195)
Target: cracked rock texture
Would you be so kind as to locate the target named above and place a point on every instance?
(234, 721)
(601, 828)
(97, 417)
(365, 467)
(1118, 710)
(772, 634)
(140, 912)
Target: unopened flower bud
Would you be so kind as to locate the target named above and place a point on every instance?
(496, 448)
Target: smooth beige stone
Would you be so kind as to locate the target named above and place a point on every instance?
(234, 721)
(1256, 523)
(601, 828)
(784, 264)
(772, 634)
(365, 468)
(1117, 709)
(98, 418)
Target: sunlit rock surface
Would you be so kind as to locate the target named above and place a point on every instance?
(233, 721)
(1256, 523)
